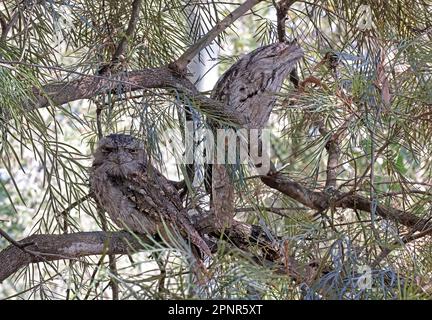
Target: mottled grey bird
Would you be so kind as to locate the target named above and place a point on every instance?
(134, 193)
(249, 86)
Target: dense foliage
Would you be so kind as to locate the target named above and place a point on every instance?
(365, 90)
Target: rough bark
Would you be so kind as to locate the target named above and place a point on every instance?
(321, 201)
(49, 247)
(89, 86)
(75, 245)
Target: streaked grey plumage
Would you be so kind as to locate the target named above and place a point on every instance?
(134, 193)
(249, 86)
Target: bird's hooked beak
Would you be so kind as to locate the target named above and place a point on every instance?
(292, 50)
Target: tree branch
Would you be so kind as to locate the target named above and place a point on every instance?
(67, 246)
(122, 46)
(282, 8)
(181, 63)
(88, 86)
(76, 245)
(6, 26)
(312, 199)
(333, 151)
(405, 218)
(321, 201)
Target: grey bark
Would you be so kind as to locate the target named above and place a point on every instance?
(49, 247)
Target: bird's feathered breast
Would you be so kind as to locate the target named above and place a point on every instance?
(134, 193)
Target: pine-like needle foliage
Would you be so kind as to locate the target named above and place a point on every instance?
(365, 77)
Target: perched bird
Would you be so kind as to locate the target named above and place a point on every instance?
(249, 86)
(135, 194)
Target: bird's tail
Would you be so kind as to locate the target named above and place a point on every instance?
(195, 237)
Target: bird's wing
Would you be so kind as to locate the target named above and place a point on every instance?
(149, 196)
(152, 191)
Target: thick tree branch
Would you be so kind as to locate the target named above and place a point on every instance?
(321, 201)
(67, 246)
(76, 245)
(89, 86)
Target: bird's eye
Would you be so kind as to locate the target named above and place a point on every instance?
(132, 150)
(107, 149)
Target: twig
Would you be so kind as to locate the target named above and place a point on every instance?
(111, 258)
(5, 26)
(123, 44)
(405, 240)
(93, 276)
(282, 8)
(22, 246)
(74, 204)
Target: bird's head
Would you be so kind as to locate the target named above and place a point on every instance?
(119, 155)
(275, 56)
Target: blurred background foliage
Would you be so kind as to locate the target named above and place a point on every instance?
(381, 83)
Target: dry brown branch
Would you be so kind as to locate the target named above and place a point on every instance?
(320, 201)
(282, 8)
(123, 44)
(67, 246)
